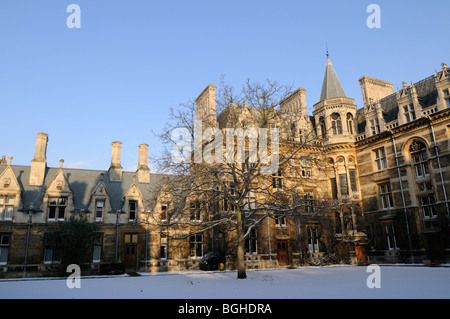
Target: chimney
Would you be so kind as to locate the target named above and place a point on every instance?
(206, 107)
(39, 162)
(115, 170)
(143, 171)
(303, 101)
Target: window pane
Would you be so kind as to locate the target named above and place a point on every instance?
(97, 253)
(4, 239)
(61, 211)
(48, 254)
(353, 184)
(4, 255)
(344, 184)
(51, 212)
(98, 239)
(8, 212)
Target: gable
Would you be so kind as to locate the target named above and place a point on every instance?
(59, 184)
(133, 192)
(8, 181)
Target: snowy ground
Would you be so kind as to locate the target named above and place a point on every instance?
(335, 282)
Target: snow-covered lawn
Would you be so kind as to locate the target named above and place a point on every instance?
(341, 281)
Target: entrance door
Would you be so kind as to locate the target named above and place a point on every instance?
(282, 252)
(435, 248)
(130, 257)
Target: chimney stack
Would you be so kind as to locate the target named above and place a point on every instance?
(143, 171)
(115, 170)
(39, 162)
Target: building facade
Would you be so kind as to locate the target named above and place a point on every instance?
(382, 169)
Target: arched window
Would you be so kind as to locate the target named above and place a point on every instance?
(350, 123)
(323, 127)
(419, 155)
(336, 124)
(427, 201)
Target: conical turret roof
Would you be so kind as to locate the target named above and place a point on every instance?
(331, 86)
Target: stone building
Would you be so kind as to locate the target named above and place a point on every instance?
(374, 177)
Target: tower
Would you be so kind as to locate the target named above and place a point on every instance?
(335, 113)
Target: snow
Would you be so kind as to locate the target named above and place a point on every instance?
(324, 282)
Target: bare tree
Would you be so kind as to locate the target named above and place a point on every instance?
(239, 189)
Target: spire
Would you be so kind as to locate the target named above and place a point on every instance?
(331, 86)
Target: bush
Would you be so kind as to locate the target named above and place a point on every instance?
(211, 260)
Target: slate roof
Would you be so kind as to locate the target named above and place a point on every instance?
(427, 95)
(82, 183)
(331, 86)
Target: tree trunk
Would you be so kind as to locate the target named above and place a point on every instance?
(240, 246)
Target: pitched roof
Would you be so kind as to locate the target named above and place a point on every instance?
(83, 182)
(331, 86)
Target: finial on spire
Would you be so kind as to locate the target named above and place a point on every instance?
(328, 54)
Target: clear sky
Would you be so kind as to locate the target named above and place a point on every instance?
(115, 78)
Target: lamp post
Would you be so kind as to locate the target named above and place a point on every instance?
(30, 220)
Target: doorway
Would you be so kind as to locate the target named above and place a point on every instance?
(129, 259)
(282, 252)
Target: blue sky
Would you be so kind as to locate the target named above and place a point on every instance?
(116, 77)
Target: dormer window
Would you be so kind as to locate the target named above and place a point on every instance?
(57, 208)
(164, 212)
(99, 208)
(410, 114)
(132, 209)
(375, 126)
(447, 97)
(6, 207)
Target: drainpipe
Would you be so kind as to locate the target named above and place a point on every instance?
(116, 258)
(403, 196)
(268, 235)
(179, 245)
(25, 262)
(146, 248)
(440, 169)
